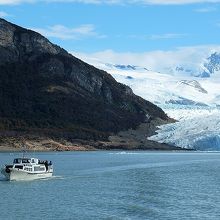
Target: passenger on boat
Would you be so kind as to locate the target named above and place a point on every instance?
(46, 165)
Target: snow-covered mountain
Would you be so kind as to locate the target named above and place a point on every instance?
(204, 68)
(213, 64)
(164, 89)
(186, 83)
(187, 93)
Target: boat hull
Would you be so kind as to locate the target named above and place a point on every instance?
(17, 175)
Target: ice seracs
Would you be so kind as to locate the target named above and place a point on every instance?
(27, 169)
(196, 129)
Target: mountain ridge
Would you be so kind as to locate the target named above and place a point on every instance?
(46, 89)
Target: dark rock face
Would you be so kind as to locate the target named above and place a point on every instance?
(43, 87)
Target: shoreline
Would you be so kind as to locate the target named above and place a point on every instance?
(10, 150)
(129, 140)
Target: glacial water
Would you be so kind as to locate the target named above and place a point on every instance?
(117, 185)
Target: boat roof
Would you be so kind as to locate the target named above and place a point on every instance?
(21, 158)
(25, 158)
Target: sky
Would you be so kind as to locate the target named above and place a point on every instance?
(118, 29)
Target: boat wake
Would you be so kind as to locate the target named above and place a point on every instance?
(44, 179)
(54, 177)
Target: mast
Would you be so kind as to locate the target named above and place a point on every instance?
(24, 147)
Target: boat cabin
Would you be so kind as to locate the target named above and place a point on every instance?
(31, 165)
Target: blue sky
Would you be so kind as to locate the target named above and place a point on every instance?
(134, 26)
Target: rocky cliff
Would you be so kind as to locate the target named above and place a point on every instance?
(46, 91)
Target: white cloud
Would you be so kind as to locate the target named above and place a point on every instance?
(15, 2)
(166, 36)
(177, 2)
(158, 36)
(153, 60)
(65, 33)
(206, 10)
(4, 14)
(154, 2)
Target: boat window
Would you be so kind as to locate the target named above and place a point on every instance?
(17, 160)
(28, 169)
(25, 160)
(39, 168)
(19, 167)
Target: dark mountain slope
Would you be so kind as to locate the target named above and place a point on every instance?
(45, 89)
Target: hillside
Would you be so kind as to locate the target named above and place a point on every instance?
(46, 92)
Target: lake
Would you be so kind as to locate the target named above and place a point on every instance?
(117, 185)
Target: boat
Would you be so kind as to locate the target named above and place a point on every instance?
(27, 169)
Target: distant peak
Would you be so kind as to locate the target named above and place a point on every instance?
(127, 67)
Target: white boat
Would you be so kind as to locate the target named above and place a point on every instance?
(28, 169)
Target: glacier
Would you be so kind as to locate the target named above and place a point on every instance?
(191, 100)
(197, 128)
